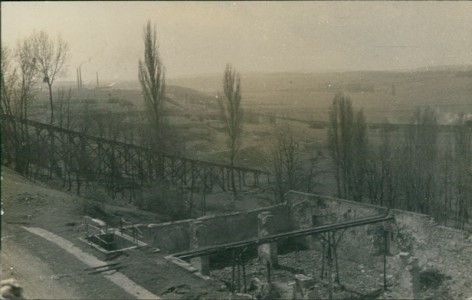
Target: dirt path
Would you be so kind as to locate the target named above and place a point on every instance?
(46, 271)
(34, 275)
(44, 268)
(117, 278)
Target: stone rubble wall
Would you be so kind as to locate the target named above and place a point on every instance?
(416, 242)
(435, 247)
(172, 237)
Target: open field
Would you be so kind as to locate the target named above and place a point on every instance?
(382, 95)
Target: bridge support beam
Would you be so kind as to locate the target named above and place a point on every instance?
(202, 263)
(267, 252)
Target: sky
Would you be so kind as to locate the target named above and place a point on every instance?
(200, 38)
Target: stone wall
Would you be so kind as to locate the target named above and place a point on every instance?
(364, 243)
(444, 249)
(170, 237)
(416, 243)
(242, 225)
(174, 237)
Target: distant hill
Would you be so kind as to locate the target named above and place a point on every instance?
(382, 94)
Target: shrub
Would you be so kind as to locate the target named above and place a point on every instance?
(164, 199)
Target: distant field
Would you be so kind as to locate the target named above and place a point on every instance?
(382, 95)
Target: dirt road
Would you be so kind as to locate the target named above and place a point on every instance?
(34, 275)
(47, 272)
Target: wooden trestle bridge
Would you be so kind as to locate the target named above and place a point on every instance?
(77, 158)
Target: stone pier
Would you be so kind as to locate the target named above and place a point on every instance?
(267, 252)
(407, 284)
(202, 263)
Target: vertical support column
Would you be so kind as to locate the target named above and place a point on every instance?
(385, 262)
(239, 180)
(330, 268)
(202, 263)
(301, 217)
(387, 231)
(408, 285)
(267, 252)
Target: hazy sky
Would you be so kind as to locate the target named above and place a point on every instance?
(201, 37)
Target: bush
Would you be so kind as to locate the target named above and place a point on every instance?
(164, 199)
(431, 278)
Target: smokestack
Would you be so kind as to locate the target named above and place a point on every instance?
(80, 76)
(98, 85)
(78, 79)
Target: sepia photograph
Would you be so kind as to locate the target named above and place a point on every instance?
(236, 150)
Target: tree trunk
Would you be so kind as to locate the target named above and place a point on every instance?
(233, 184)
(50, 102)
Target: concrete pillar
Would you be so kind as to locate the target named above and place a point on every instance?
(267, 252)
(408, 285)
(202, 263)
(387, 227)
(301, 218)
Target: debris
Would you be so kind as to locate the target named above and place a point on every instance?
(304, 281)
(239, 296)
(270, 291)
(179, 289)
(108, 271)
(59, 276)
(6, 237)
(102, 266)
(10, 289)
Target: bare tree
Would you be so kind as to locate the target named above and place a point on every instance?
(28, 74)
(286, 160)
(347, 143)
(381, 170)
(463, 173)
(419, 162)
(8, 82)
(9, 79)
(19, 76)
(50, 57)
(232, 115)
(152, 78)
(359, 156)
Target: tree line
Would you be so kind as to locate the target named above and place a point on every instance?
(421, 167)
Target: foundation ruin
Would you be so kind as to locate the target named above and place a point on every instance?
(319, 247)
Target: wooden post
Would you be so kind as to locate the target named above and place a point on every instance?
(239, 274)
(385, 261)
(335, 258)
(330, 266)
(268, 272)
(244, 272)
(232, 274)
(323, 256)
(239, 179)
(223, 182)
